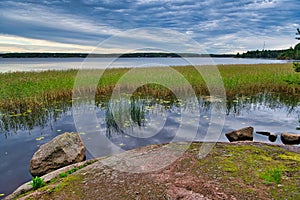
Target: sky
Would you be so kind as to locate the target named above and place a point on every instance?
(218, 26)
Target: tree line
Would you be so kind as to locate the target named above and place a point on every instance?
(286, 54)
(126, 55)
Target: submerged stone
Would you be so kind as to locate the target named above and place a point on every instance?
(266, 133)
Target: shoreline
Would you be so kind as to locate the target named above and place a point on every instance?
(143, 151)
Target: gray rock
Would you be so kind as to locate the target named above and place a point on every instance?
(61, 151)
(290, 138)
(244, 134)
(272, 137)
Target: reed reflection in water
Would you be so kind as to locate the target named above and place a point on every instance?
(145, 117)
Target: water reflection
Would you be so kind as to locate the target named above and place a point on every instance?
(125, 116)
(136, 115)
(262, 101)
(27, 119)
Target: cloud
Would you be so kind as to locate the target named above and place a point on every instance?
(41, 16)
(10, 43)
(223, 25)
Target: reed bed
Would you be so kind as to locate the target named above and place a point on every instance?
(29, 90)
(28, 99)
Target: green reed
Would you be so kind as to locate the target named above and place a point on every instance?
(37, 89)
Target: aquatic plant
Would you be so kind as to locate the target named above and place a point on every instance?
(28, 99)
(39, 88)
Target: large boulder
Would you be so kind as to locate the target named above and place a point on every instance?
(244, 134)
(61, 151)
(290, 138)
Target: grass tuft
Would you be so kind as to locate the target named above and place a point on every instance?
(37, 182)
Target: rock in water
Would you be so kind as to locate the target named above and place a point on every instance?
(290, 138)
(272, 137)
(61, 151)
(263, 133)
(243, 134)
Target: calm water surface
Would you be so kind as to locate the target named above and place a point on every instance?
(41, 64)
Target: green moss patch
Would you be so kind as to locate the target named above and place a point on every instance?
(253, 170)
(240, 171)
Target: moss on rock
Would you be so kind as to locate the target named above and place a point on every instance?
(240, 170)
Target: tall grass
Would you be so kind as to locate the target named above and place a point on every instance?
(35, 89)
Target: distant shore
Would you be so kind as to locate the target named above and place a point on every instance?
(125, 55)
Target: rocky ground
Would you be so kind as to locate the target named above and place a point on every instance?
(243, 170)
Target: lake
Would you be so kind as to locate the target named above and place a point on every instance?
(131, 123)
(41, 64)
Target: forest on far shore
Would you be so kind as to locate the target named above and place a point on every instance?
(286, 54)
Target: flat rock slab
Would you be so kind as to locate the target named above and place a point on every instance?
(130, 175)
